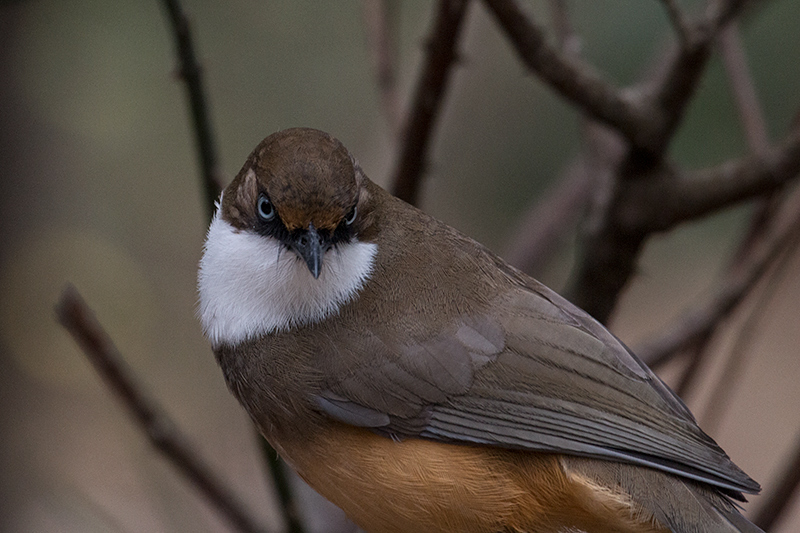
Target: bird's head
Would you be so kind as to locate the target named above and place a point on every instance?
(290, 240)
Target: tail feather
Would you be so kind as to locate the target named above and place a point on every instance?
(679, 504)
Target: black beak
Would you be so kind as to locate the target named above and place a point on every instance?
(309, 245)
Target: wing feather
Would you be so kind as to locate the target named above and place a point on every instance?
(531, 372)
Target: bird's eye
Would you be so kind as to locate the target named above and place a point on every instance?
(265, 210)
(351, 216)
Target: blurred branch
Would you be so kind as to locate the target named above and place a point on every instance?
(277, 471)
(611, 244)
(697, 353)
(378, 22)
(671, 197)
(772, 510)
(572, 78)
(751, 117)
(754, 127)
(698, 322)
(80, 322)
(544, 225)
(419, 124)
(670, 98)
(745, 335)
(547, 220)
(660, 199)
(189, 72)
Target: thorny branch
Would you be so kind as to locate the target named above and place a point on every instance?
(164, 435)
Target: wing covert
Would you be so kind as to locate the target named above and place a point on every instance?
(532, 372)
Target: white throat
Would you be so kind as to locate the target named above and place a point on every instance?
(250, 285)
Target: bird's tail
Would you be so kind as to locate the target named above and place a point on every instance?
(680, 505)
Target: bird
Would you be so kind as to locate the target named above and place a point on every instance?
(422, 384)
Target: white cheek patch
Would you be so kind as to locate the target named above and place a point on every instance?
(251, 285)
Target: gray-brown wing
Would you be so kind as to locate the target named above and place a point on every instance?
(538, 375)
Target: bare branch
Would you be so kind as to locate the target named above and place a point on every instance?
(190, 73)
(772, 510)
(441, 57)
(751, 117)
(670, 198)
(381, 43)
(575, 80)
(729, 291)
(683, 74)
(79, 320)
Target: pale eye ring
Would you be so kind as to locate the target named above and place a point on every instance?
(351, 216)
(264, 208)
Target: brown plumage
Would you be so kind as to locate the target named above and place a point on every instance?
(446, 391)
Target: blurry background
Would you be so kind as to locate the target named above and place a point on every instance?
(99, 186)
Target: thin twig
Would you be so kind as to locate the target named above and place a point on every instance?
(79, 320)
(190, 73)
(378, 22)
(697, 322)
(772, 510)
(419, 125)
